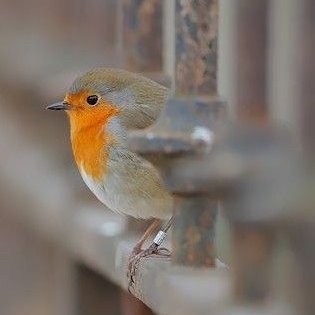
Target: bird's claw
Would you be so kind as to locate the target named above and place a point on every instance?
(135, 259)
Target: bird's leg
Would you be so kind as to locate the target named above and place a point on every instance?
(153, 249)
(138, 247)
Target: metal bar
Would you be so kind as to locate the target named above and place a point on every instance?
(301, 230)
(250, 55)
(196, 31)
(183, 133)
(196, 27)
(142, 35)
(194, 231)
(302, 237)
(252, 236)
(252, 247)
(306, 75)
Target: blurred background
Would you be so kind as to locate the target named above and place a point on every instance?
(44, 45)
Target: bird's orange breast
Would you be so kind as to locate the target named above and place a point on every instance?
(89, 150)
(88, 134)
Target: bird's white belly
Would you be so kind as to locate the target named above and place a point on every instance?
(120, 195)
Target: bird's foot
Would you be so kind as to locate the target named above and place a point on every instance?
(136, 257)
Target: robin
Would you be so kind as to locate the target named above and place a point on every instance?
(103, 105)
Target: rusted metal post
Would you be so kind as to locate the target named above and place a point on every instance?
(302, 224)
(306, 76)
(184, 132)
(196, 31)
(302, 238)
(251, 61)
(252, 262)
(140, 46)
(275, 192)
(196, 27)
(252, 234)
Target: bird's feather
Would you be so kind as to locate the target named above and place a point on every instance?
(139, 98)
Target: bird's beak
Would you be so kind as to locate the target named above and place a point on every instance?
(59, 106)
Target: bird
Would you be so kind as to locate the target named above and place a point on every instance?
(103, 105)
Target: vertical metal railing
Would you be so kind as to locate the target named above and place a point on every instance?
(250, 60)
(196, 56)
(252, 236)
(301, 224)
(183, 134)
(272, 190)
(141, 35)
(196, 37)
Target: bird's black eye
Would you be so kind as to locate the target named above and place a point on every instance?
(92, 99)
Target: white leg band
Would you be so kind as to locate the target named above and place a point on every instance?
(159, 238)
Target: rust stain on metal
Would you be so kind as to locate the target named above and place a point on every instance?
(196, 47)
(194, 231)
(207, 218)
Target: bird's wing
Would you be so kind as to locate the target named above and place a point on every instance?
(148, 101)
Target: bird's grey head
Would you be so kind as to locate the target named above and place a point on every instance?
(119, 86)
(102, 81)
(140, 98)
